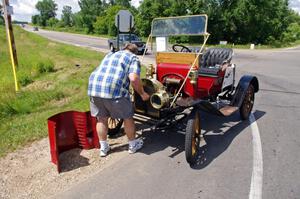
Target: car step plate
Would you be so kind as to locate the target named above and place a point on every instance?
(228, 110)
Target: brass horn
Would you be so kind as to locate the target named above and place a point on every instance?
(160, 99)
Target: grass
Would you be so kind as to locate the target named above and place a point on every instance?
(53, 78)
(75, 30)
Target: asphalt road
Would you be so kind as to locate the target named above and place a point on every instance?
(91, 42)
(225, 169)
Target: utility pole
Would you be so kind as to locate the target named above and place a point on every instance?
(7, 9)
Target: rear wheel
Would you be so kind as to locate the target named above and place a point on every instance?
(114, 126)
(192, 137)
(247, 104)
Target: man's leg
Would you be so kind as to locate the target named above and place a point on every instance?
(102, 129)
(134, 144)
(129, 128)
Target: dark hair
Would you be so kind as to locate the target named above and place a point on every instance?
(131, 47)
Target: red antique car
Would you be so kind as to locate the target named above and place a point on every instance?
(193, 79)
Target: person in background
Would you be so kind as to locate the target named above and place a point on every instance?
(108, 90)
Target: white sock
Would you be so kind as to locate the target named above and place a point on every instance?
(132, 142)
(103, 144)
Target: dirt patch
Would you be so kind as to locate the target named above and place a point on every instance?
(61, 102)
(28, 173)
(40, 85)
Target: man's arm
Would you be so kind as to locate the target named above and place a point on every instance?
(138, 86)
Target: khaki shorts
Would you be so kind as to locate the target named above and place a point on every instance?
(116, 108)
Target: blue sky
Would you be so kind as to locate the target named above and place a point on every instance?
(24, 9)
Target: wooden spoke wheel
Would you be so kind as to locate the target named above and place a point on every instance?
(192, 137)
(114, 126)
(247, 104)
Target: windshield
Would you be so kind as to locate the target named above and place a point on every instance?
(133, 38)
(187, 25)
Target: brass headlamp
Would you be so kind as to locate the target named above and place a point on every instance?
(193, 76)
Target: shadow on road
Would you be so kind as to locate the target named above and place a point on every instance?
(217, 141)
(219, 133)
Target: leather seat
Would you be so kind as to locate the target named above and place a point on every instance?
(216, 56)
(213, 58)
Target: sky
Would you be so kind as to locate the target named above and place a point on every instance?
(24, 9)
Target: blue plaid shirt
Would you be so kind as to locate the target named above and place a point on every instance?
(110, 79)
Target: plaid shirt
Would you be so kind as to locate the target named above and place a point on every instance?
(110, 79)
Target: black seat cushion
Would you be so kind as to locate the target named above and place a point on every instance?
(215, 56)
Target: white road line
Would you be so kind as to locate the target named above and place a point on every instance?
(257, 172)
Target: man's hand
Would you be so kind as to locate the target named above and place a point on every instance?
(145, 96)
(138, 86)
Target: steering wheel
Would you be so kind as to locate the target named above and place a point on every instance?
(180, 48)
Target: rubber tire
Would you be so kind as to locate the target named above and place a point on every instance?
(114, 131)
(111, 47)
(244, 109)
(191, 157)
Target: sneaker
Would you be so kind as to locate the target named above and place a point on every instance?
(103, 152)
(136, 146)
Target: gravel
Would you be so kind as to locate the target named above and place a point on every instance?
(28, 172)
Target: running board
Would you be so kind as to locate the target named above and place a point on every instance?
(228, 110)
(210, 108)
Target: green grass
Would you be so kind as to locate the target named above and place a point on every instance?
(74, 30)
(50, 83)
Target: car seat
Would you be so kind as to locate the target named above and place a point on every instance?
(213, 59)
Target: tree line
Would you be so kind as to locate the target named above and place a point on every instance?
(1, 16)
(236, 21)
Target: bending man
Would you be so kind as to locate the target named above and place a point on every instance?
(109, 94)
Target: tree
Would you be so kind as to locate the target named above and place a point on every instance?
(123, 3)
(47, 9)
(292, 33)
(90, 10)
(1, 17)
(1, 20)
(106, 24)
(293, 17)
(52, 22)
(35, 19)
(243, 21)
(256, 20)
(66, 16)
(213, 9)
(148, 10)
(77, 20)
(101, 26)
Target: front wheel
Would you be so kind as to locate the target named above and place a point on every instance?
(111, 47)
(247, 104)
(114, 126)
(192, 137)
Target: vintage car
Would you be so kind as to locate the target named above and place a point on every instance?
(193, 79)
